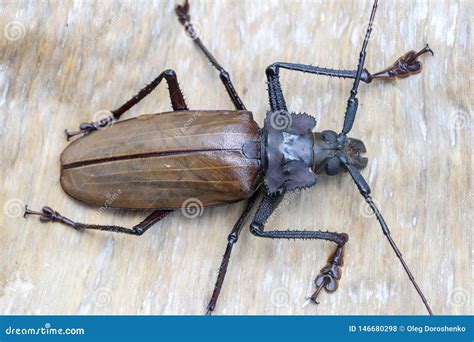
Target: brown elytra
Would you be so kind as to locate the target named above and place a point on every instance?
(161, 160)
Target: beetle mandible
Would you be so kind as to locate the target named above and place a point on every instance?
(223, 157)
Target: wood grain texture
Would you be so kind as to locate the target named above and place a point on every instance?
(61, 62)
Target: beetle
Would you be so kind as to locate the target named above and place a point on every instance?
(161, 161)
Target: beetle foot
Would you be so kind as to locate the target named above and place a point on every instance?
(49, 215)
(182, 11)
(406, 65)
(87, 127)
(329, 276)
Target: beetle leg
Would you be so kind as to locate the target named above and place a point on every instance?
(311, 69)
(182, 11)
(231, 240)
(277, 101)
(330, 274)
(405, 66)
(49, 215)
(176, 95)
(275, 93)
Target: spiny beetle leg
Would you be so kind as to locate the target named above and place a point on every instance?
(175, 92)
(331, 273)
(49, 215)
(182, 11)
(231, 240)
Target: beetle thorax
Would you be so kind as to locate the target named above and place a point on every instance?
(287, 151)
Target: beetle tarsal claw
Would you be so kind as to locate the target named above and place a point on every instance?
(329, 276)
(30, 212)
(84, 129)
(405, 66)
(69, 135)
(327, 280)
(46, 214)
(87, 127)
(315, 295)
(49, 215)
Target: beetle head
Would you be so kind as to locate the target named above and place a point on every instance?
(327, 148)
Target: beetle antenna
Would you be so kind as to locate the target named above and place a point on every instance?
(364, 190)
(352, 102)
(386, 232)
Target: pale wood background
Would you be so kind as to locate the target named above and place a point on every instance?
(70, 59)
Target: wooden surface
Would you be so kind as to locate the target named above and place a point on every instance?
(62, 62)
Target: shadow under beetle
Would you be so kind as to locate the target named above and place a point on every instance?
(160, 161)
